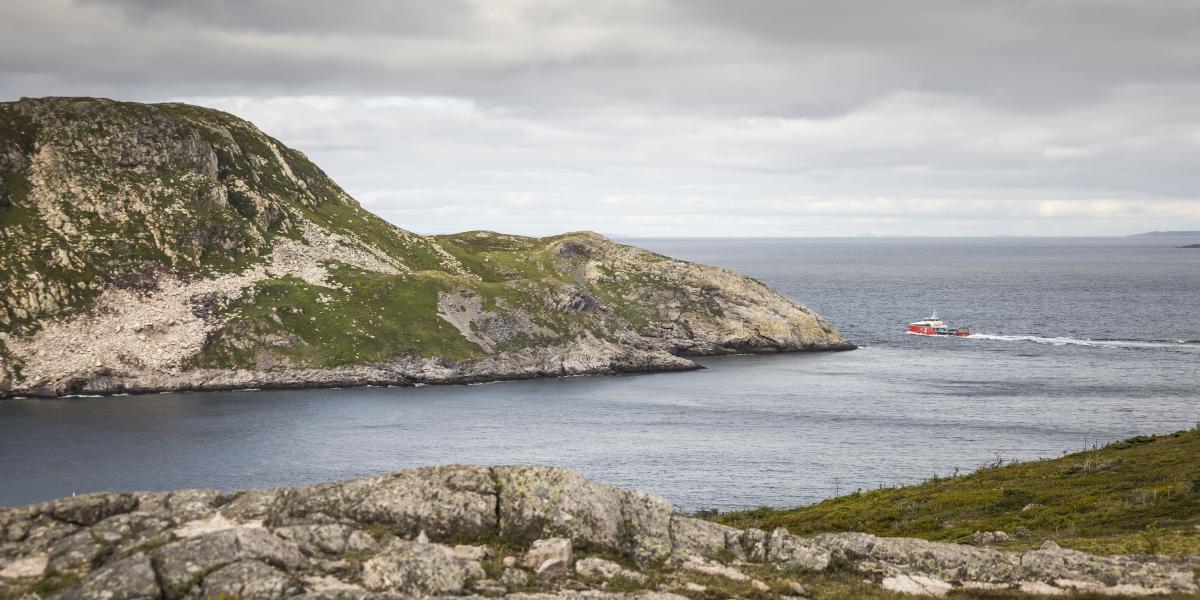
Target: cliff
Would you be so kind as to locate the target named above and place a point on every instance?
(519, 532)
(169, 246)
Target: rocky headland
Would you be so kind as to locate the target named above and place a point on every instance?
(171, 247)
(519, 532)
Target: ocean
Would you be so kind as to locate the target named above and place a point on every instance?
(1078, 342)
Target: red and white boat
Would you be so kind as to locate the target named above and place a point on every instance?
(933, 326)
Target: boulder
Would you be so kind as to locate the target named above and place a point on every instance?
(75, 552)
(645, 531)
(514, 577)
(327, 539)
(125, 579)
(549, 558)
(982, 538)
(89, 509)
(249, 579)
(789, 552)
(407, 567)
(446, 501)
(179, 564)
(697, 537)
(539, 502)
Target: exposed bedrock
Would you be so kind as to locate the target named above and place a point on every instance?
(492, 531)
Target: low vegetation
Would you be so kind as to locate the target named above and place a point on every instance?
(1137, 496)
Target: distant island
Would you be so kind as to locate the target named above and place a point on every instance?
(1166, 234)
(1191, 246)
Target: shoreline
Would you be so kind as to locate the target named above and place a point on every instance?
(547, 364)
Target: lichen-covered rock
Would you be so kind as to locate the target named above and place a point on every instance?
(180, 563)
(549, 558)
(249, 579)
(126, 579)
(697, 537)
(76, 551)
(389, 536)
(541, 502)
(514, 577)
(414, 568)
(645, 527)
(594, 566)
(89, 509)
(327, 538)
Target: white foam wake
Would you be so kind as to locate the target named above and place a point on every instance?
(1182, 345)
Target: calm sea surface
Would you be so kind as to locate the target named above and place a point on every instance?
(1084, 341)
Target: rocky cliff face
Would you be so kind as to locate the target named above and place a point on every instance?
(156, 247)
(519, 532)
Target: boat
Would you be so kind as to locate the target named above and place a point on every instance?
(935, 327)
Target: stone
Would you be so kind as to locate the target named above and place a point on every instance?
(76, 551)
(594, 566)
(990, 537)
(327, 539)
(509, 561)
(540, 502)
(793, 553)
(408, 567)
(133, 530)
(25, 566)
(917, 585)
(692, 586)
(180, 505)
(760, 585)
(514, 577)
(797, 588)
(125, 579)
(549, 558)
(489, 587)
(180, 563)
(444, 501)
(754, 545)
(473, 552)
(701, 538)
(645, 527)
(712, 567)
(249, 579)
(89, 509)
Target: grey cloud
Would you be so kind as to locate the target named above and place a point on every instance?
(677, 116)
(767, 57)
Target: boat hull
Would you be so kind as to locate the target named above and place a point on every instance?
(934, 332)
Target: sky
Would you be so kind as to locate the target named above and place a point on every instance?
(678, 117)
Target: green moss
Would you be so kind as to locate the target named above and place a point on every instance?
(373, 317)
(1135, 496)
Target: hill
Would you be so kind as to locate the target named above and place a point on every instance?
(1139, 496)
(168, 246)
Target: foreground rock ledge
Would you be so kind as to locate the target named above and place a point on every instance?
(488, 531)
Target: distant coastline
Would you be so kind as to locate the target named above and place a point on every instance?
(1167, 234)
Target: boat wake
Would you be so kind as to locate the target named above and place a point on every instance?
(1177, 345)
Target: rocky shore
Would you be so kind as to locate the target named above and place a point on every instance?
(515, 532)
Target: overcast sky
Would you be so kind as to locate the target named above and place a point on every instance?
(677, 117)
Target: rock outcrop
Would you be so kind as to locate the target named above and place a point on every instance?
(168, 246)
(499, 531)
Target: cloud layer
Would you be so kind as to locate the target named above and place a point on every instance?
(661, 117)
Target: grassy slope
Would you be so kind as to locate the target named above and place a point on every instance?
(1138, 496)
